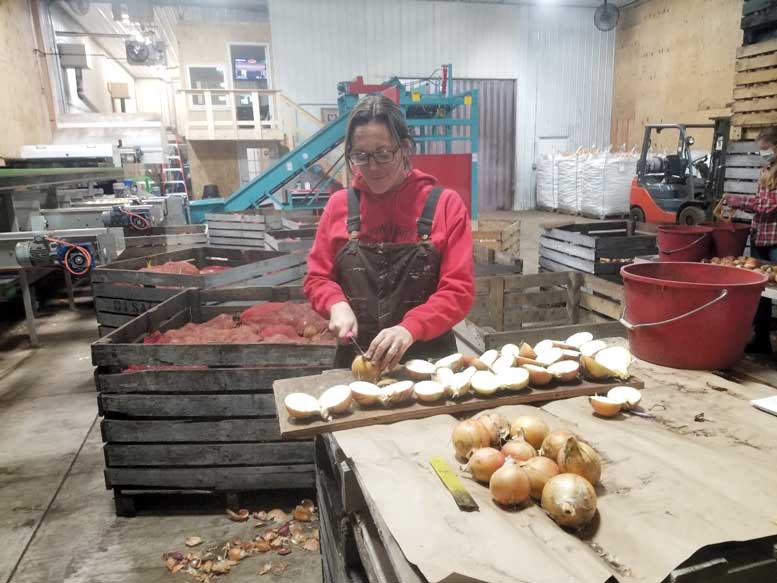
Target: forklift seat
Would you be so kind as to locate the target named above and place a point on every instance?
(676, 167)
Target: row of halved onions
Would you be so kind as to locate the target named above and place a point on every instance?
(551, 466)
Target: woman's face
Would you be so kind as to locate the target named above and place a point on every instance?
(371, 138)
(765, 147)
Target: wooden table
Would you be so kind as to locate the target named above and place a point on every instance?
(356, 537)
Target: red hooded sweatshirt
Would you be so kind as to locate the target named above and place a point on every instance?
(391, 218)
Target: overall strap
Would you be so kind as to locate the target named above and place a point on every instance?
(427, 215)
(354, 222)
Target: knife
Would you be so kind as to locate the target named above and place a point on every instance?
(350, 336)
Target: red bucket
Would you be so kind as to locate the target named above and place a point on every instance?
(689, 315)
(728, 238)
(684, 242)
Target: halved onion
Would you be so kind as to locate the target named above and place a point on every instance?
(592, 347)
(538, 375)
(513, 379)
(428, 391)
(364, 370)
(628, 397)
(485, 383)
(527, 351)
(543, 345)
(570, 355)
(365, 393)
(565, 370)
(419, 369)
(521, 360)
(594, 370)
(617, 359)
(577, 340)
(503, 363)
(335, 399)
(302, 405)
(456, 384)
(453, 362)
(510, 350)
(489, 357)
(396, 393)
(549, 356)
(604, 406)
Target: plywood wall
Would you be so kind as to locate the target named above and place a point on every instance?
(674, 62)
(23, 102)
(214, 162)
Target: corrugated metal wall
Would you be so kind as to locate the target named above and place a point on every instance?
(562, 64)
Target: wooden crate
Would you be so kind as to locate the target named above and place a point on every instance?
(743, 167)
(530, 308)
(244, 229)
(597, 248)
(289, 240)
(121, 292)
(300, 219)
(490, 262)
(755, 89)
(211, 429)
(499, 234)
(162, 239)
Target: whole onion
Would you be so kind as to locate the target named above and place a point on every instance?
(570, 500)
(540, 470)
(484, 462)
(497, 426)
(554, 443)
(518, 449)
(534, 429)
(580, 458)
(468, 436)
(509, 485)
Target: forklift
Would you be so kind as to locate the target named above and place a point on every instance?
(676, 188)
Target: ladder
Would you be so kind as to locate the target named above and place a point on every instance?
(173, 170)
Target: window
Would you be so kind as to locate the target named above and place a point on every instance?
(250, 71)
(208, 77)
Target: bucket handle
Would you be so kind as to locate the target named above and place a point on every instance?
(684, 248)
(629, 326)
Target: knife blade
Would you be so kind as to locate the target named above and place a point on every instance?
(350, 336)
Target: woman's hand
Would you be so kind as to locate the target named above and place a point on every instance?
(342, 320)
(389, 347)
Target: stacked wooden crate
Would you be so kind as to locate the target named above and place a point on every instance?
(743, 167)
(600, 249)
(755, 80)
(244, 229)
(290, 239)
(121, 291)
(498, 234)
(162, 239)
(199, 417)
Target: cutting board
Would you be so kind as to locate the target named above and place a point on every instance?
(359, 416)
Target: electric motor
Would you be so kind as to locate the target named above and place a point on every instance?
(35, 253)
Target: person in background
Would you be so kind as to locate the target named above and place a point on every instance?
(763, 237)
(392, 260)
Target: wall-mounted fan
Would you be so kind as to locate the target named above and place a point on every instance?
(606, 17)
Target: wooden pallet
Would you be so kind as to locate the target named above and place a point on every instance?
(212, 429)
(245, 229)
(530, 308)
(498, 234)
(121, 292)
(289, 240)
(743, 167)
(162, 239)
(755, 89)
(600, 249)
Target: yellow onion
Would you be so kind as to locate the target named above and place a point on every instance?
(580, 458)
(534, 429)
(553, 443)
(570, 500)
(468, 436)
(498, 426)
(484, 462)
(519, 449)
(540, 470)
(509, 485)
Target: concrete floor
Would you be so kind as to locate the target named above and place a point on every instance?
(57, 521)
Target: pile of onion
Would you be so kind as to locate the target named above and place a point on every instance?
(509, 485)
(570, 500)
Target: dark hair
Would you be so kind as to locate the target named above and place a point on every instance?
(381, 109)
(769, 174)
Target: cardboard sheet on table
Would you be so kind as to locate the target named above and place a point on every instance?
(663, 496)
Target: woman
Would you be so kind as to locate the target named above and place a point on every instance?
(763, 238)
(392, 260)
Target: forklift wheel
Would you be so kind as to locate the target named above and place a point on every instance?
(691, 215)
(637, 214)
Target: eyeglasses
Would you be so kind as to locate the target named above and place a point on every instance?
(380, 157)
